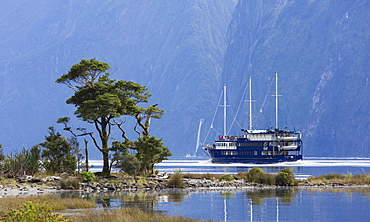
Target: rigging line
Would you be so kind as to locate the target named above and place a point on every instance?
(289, 113)
(264, 101)
(237, 111)
(213, 119)
(267, 119)
(239, 124)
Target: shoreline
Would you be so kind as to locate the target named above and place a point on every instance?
(20, 190)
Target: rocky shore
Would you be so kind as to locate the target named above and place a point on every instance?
(49, 185)
(192, 183)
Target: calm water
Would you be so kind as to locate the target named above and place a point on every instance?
(282, 204)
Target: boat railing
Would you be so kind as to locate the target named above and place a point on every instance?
(228, 138)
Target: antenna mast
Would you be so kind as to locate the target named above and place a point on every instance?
(224, 105)
(250, 104)
(276, 102)
(224, 109)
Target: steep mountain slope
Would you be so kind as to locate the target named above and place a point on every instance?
(175, 48)
(320, 49)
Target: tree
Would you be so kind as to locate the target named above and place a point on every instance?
(57, 153)
(2, 157)
(34, 160)
(76, 152)
(150, 150)
(99, 100)
(129, 164)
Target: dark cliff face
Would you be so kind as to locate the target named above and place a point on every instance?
(175, 48)
(320, 49)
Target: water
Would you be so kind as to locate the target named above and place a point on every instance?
(280, 204)
(252, 204)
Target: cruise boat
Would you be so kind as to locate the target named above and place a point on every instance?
(257, 146)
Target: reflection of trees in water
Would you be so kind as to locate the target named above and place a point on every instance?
(227, 194)
(257, 196)
(144, 200)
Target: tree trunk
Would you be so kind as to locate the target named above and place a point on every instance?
(105, 147)
(86, 156)
(106, 171)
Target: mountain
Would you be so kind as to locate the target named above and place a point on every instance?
(320, 49)
(184, 51)
(175, 48)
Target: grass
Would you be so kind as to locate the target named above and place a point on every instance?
(360, 179)
(59, 204)
(207, 176)
(176, 180)
(126, 215)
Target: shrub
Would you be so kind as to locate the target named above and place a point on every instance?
(33, 212)
(241, 175)
(87, 176)
(70, 184)
(176, 180)
(267, 179)
(285, 178)
(226, 177)
(255, 175)
(207, 176)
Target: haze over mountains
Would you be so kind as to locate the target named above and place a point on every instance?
(184, 51)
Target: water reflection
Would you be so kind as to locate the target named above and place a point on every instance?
(248, 204)
(286, 195)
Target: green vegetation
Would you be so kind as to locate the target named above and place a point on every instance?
(150, 151)
(18, 164)
(176, 180)
(285, 178)
(129, 215)
(128, 164)
(70, 184)
(31, 212)
(256, 175)
(87, 176)
(360, 179)
(101, 101)
(207, 176)
(226, 177)
(57, 156)
(46, 208)
(55, 202)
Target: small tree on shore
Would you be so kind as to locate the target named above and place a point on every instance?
(57, 153)
(150, 150)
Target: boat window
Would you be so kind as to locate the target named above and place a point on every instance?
(249, 144)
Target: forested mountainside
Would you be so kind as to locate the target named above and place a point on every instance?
(175, 48)
(321, 51)
(184, 51)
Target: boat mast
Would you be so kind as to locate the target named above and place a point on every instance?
(224, 109)
(250, 104)
(276, 102)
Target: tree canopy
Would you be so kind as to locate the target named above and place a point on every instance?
(100, 100)
(57, 153)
